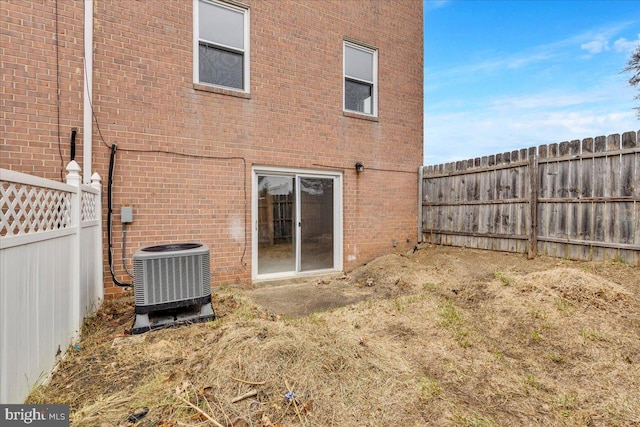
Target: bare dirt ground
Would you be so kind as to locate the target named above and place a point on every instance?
(438, 336)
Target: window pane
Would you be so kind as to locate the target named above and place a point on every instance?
(358, 96)
(221, 25)
(220, 67)
(358, 63)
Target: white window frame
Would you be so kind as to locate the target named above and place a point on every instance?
(238, 7)
(345, 76)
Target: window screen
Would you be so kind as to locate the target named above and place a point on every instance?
(357, 96)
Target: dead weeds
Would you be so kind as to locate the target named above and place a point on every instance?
(449, 336)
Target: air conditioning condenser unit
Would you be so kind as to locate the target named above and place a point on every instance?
(171, 285)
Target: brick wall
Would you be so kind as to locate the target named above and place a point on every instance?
(36, 123)
(145, 99)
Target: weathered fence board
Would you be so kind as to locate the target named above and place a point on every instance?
(576, 199)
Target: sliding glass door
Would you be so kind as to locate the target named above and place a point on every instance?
(296, 219)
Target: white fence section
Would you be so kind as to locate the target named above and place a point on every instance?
(50, 272)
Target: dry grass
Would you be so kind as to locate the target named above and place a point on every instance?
(450, 337)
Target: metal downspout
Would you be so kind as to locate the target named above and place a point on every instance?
(420, 184)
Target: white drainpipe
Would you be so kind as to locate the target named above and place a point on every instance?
(87, 128)
(420, 187)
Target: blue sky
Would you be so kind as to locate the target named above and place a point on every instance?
(505, 75)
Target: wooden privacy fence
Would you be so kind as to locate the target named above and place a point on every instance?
(577, 200)
(50, 272)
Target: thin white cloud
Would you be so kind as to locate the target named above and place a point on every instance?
(593, 41)
(565, 125)
(486, 134)
(494, 64)
(461, 123)
(624, 45)
(599, 44)
(550, 100)
(522, 61)
(515, 122)
(435, 4)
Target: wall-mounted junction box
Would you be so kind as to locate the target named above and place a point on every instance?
(126, 214)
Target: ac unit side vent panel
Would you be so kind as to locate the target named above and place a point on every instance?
(163, 277)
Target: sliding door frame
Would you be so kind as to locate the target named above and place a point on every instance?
(337, 219)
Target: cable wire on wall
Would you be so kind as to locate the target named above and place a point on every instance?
(180, 154)
(58, 92)
(367, 168)
(112, 163)
(201, 156)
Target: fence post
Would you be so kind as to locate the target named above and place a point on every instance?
(98, 273)
(75, 179)
(533, 206)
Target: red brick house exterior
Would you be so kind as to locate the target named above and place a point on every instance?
(195, 159)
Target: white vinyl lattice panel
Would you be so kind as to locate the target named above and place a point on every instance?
(89, 207)
(50, 272)
(27, 209)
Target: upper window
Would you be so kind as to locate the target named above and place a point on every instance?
(221, 55)
(360, 79)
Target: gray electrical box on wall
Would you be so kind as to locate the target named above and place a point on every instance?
(126, 214)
